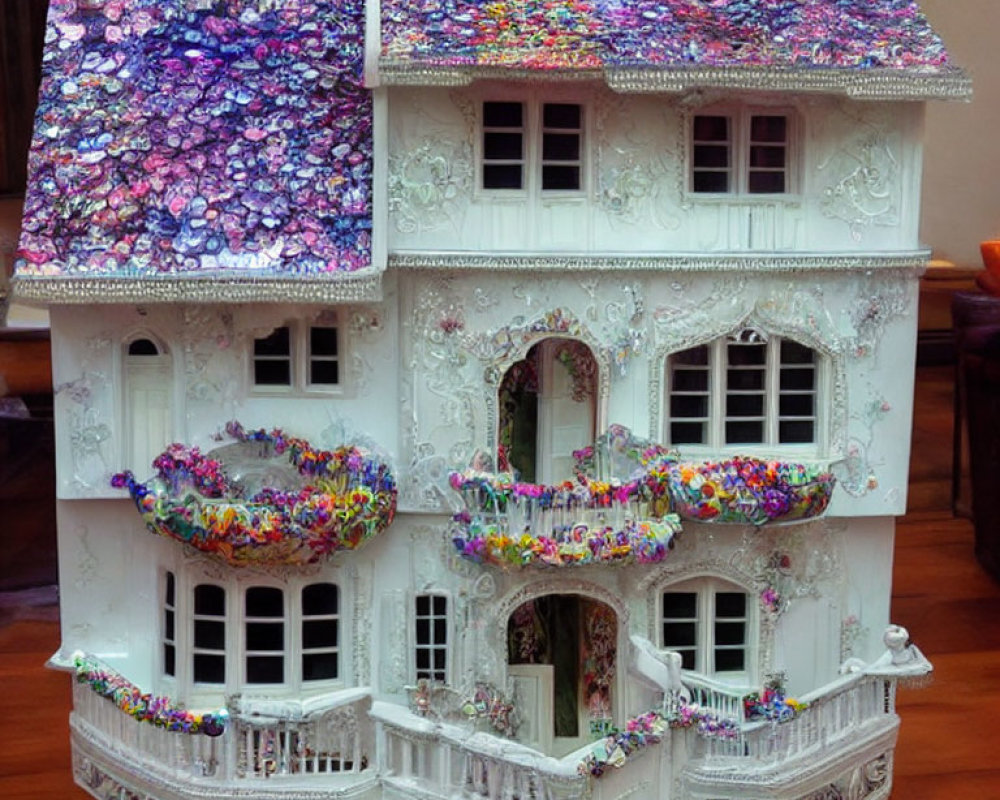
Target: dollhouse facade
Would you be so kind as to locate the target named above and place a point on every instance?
(571, 347)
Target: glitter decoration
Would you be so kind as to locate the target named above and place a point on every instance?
(334, 501)
(142, 706)
(185, 139)
(599, 34)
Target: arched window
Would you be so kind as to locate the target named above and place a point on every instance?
(744, 389)
(547, 409)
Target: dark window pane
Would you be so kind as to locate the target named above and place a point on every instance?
(711, 155)
(319, 666)
(501, 146)
(272, 373)
(319, 598)
(265, 669)
(767, 157)
(319, 633)
(439, 659)
(501, 176)
(729, 633)
(730, 604)
(423, 631)
(744, 432)
(729, 660)
(326, 373)
(143, 347)
(169, 660)
(209, 634)
(440, 630)
(687, 433)
(209, 668)
(804, 379)
(323, 341)
(168, 594)
(265, 601)
(795, 353)
(560, 115)
(678, 634)
(168, 625)
(711, 182)
(695, 356)
(744, 405)
(687, 659)
(265, 636)
(440, 605)
(561, 147)
(769, 129)
(680, 604)
(711, 129)
(745, 379)
(689, 380)
(502, 115)
(746, 354)
(688, 406)
(796, 405)
(423, 605)
(277, 344)
(560, 179)
(766, 183)
(423, 659)
(209, 600)
(798, 432)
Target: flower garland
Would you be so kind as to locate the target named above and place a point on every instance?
(749, 490)
(647, 729)
(144, 707)
(772, 704)
(487, 703)
(348, 499)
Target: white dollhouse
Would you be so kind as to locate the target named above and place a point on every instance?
(481, 399)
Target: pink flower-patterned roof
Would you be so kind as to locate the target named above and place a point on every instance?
(609, 35)
(178, 140)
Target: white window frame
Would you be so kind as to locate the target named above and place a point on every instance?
(246, 654)
(168, 610)
(533, 132)
(433, 645)
(226, 619)
(300, 359)
(235, 649)
(715, 421)
(303, 618)
(705, 589)
(740, 123)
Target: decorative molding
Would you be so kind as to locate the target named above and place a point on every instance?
(429, 184)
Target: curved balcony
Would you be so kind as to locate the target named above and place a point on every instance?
(266, 499)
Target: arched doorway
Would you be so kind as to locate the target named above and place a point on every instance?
(547, 409)
(562, 657)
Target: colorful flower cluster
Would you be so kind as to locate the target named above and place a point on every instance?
(643, 542)
(185, 138)
(592, 34)
(646, 729)
(773, 705)
(145, 707)
(749, 490)
(487, 703)
(347, 498)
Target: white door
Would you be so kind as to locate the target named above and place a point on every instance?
(148, 390)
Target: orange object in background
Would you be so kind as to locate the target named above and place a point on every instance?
(989, 281)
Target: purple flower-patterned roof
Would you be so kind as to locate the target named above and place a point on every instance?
(662, 35)
(178, 140)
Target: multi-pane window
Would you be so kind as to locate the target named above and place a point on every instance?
(264, 647)
(553, 151)
(431, 636)
(503, 145)
(169, 625)
(209, 650)
(299, 357)
(746, 153)
(320, 632)
(743, 390)
(709, 626)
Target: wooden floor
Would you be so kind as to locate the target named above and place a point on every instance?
(949, 745)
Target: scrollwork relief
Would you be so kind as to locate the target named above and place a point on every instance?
(429, 185)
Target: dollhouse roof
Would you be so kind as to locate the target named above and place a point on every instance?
(866, 48)
(192, 150)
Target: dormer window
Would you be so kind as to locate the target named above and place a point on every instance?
(741, 153)
(526, 145)
(297, 357)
